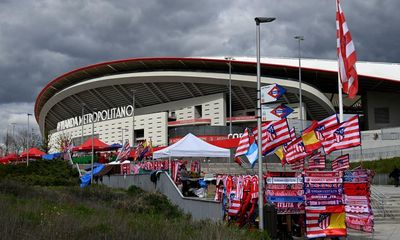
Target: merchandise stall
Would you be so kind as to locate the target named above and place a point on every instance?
(189, 146)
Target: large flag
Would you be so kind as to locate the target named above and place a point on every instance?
(316, 161)
(274, 134)
(325, 221)
(271, 93)
(324, 124)
(296, 151)
(346, 54)
(252, 154)
(342, 136)
(124, 153)
(275, 112)
(146, 148)
(282, 150)
(244, 143)
(341, 163)
(310, 139)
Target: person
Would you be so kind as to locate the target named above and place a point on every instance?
(184, 179)
(395, 174)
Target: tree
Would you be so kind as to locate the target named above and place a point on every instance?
(63, 142)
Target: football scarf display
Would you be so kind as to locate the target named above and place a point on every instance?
(357, 198)
(325, 214)
(285, 191)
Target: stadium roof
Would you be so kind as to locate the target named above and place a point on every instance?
(320, 74)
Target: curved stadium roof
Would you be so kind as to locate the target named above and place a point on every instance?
(161, 80)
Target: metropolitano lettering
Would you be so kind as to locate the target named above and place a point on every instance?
(102, 115)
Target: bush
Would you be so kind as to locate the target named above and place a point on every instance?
(42, 173)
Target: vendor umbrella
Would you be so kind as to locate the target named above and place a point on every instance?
(33, 153)
(87, 145)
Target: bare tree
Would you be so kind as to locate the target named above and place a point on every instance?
(63, 142)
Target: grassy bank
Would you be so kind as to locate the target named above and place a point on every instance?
(379, 166)
(59, 210)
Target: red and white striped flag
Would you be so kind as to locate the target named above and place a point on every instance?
(324, 124)
(297, 166)
(342, 136)
(124, 153)
(274, 134)
(341, 163)
(346, 54)
(325, 221)
(317, 161)
(244, 143)
(296, 151)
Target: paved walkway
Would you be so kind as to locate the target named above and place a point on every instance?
(382, 232)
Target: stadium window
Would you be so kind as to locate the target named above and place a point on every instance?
(198, 111)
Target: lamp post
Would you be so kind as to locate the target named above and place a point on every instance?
(259, 141)
(133, 117)
(230, 107)
(300, 38)
(83, 113)
(122, 138)
(230, 92)
(27, 141)
(91, 172)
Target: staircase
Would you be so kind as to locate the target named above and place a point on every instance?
(386, 204)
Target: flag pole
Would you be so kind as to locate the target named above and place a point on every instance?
(340, 96)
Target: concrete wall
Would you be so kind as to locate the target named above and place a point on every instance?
(383, 100)
(200, 209)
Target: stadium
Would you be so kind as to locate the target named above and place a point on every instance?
(168, 97)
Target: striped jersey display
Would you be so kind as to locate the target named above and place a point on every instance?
(342, 136)
(274, 134)
(317, 161)
(346, 54)
(341, 163)
(244, 143)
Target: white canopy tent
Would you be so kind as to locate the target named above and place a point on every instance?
(191, 146)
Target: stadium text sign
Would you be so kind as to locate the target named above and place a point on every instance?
(102, 115)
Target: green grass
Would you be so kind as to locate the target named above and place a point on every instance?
(44, 201)
(379, 166)
(98, 212)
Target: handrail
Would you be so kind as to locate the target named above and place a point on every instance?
(380, 198)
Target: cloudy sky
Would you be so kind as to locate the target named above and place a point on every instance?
(42, 39)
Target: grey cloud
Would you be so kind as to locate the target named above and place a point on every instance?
(43, 39)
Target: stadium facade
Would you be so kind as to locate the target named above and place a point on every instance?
(168, 97)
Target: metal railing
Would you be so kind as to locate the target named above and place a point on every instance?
(379, 200)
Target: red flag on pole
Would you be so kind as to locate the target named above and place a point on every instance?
(346, 54)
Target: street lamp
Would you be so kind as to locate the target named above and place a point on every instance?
(230, 107)
(230, 92)
(259, 140)
(91, 172)
(133, 117)
(83, 113)
(300, 38)
(27, 141)
(122, 138)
